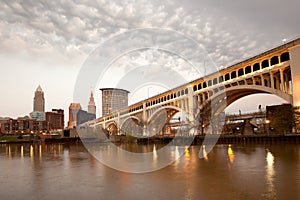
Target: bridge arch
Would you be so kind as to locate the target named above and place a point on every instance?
(129, 118)
(227, 96)
(177, 109)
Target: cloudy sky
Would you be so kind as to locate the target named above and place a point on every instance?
(47, 42)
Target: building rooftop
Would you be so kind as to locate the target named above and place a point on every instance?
(117, 89)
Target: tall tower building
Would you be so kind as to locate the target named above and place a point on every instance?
(92, 106)
(73, 110)
(38, 105)
(39, 100)
(113, 99)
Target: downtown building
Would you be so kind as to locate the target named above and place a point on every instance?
(113, 99)
(79, 116)
(55, 119)
(23, 125)
(38, 105)
(39, 122)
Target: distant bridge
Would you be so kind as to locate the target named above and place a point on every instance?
(276, 71)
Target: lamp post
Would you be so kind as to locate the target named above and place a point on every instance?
(202, 130)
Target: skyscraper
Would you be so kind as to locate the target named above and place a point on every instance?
(92, 106)
(39, 100)
(38, 105)
(73, 110)
(113, 99)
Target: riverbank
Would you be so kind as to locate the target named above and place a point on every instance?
(196, 140)
(224, 139)
(47, 140)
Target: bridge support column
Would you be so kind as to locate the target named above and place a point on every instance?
(272, 80)
(281, 80)
(295, 71)
(191, 109)
(118, 124)
(145, 118)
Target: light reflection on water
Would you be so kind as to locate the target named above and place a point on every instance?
(270, 173)
(68, 171)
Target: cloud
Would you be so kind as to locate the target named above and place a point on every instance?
(80, 25)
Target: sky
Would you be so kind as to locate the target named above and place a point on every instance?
(49, 42)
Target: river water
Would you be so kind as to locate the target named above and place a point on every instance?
(68, 171)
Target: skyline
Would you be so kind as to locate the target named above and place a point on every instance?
(47, 43)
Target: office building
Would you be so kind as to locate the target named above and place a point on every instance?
(113, 99)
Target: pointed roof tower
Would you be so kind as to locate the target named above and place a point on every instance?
(92, 105)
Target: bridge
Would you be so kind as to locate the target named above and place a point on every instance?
(276, 71)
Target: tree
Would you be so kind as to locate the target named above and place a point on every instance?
(296, 119)
(283, 119)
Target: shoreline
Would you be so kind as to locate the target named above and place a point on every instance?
(197, 140)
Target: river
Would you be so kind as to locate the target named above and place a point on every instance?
(69, 171)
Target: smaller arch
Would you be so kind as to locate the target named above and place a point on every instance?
(178, 94)
(195, 88)
(241, 72)
(221, 79)
(204, 85)
(215, 81)
(167, 107)
(168, 97)
(199, 86)
(128, 118)
(165, 98)
(265, 64)
(110, 123)
(248, 70)
(227, 77)
(182, 92)
(209, 83)
(274, 60)
(233, 74)
(186, 91)
(256, 67)
(285, 57)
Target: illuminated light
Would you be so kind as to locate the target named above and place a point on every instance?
(154, 153)
(187, 153)
(22, 151)
(230, 154)
(9, 152)
(204, 153)
(284, 40)
(40, 150)
(31, 151)
(270, 172)
(270, 159)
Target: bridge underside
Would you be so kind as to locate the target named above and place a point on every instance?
(202, 101)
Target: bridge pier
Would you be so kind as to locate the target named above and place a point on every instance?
(295, 71)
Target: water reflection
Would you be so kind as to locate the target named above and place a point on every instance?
(187, 155)
(204, 153)
(230, 154)
(50, 171)
(270, 173)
